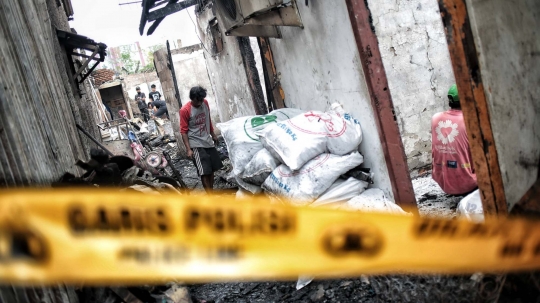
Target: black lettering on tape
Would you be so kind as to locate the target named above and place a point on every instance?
(364, 241)
(221, 220)
(122, 219)
(23, 245)
(512, 250)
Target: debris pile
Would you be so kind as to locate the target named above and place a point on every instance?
(302, 157)
(117, 171)
(156, 137)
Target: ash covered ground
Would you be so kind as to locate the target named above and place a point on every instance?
(432, 201)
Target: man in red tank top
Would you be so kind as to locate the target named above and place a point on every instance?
(452, 162)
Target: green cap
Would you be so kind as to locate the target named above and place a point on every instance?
(453, 94)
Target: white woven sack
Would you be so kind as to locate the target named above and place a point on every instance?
(374, 200)
(300, 139)
(260, 167)
(314, 178)
(340, 192)
(242, 142)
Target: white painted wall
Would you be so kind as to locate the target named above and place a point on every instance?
(320, 65)
(191, 71)
(144, 81)
(507, 40)
(227, 75)
(417, 63)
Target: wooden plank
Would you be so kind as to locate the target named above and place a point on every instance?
(161, 62)
(474, 105)
(85, 64)
(274, 91)
(21, 111)
(252, 76)
(381, 100)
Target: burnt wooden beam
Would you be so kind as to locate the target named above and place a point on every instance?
(381, 100)
(86, 62)
(474, 105)
(169, 9)
(171, 67)
(89, 71)
(162, 63)
(252, 75)
(274, 91)
(159, 14)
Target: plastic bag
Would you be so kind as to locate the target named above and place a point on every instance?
(300, 139)
(471, 208)
(303, 281)
(314, 178)
(340, 192)
(260, 167)
(240, 135)
(252, 188)
(374, 200)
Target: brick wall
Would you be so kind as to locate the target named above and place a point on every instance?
(102, 76)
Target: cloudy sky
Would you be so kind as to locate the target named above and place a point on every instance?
(108, 22)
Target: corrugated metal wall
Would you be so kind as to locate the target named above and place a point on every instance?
(38, 111)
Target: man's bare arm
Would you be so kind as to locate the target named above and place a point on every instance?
(185, 139)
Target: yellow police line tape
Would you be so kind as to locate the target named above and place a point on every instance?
(112, 237)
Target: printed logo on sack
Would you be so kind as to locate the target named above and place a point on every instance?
(446, 131)
(364, 241)
(257, 122)
(334, 124)
(313, 164)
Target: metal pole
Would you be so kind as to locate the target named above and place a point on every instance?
(94, 140)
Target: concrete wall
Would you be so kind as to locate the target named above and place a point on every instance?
(144, 81)
(191, 71)
(417, 63)
(227, 74)
(320, 65)
(506, 37)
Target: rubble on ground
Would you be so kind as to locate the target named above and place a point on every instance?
(391, 288)
(432, 201)
(397, 288)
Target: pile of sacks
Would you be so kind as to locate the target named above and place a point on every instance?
(299, 156)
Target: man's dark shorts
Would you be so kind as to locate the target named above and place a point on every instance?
(145, 114)
(162, 111)
(206, 160)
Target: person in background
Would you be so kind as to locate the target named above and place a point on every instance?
(107, 108)
(141, 104)
(154, 94)
(452, 161)
(199, 138)
(159, 107)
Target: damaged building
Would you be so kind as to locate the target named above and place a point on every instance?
(46, 92)
(388, 64)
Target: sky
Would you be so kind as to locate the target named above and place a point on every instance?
(108, 22)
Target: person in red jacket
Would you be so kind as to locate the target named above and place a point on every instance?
(199, 138)
(452, 161)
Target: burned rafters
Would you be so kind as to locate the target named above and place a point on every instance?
(156, 10)
(73, 42)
